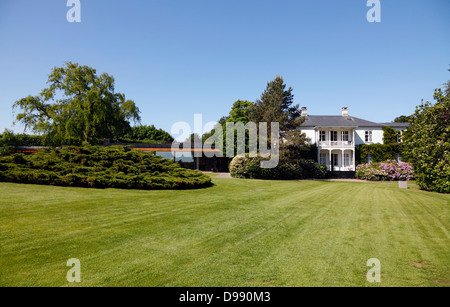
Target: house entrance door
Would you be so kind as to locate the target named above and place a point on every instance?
(335, 161)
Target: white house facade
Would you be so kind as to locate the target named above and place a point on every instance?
(337, 136)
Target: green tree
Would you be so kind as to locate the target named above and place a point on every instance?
(390, 135)
(276, 105)
(403, 119)
(447, 88)
(240, 112)
(194, 137)
(428, 143)
(78, 105)
(148, 133)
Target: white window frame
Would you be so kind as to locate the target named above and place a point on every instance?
(347, 160)
(369, 136)
(345, 135)
(322, 136)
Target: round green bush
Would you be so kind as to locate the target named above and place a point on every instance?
(250, 167)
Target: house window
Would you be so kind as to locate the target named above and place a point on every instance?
(322, 136)
(399, 136)
(323, 159)
(345, 136)
(368, 136)
(347, 160)
(333, 136)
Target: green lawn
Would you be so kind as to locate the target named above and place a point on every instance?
(236, 233)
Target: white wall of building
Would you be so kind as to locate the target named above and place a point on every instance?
(310, 133)
(377, 135)
(360, 134)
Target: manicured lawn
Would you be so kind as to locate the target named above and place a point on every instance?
(237, 233)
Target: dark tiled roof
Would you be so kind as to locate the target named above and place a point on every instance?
(394, 125)
(336, 121)
(343, 121)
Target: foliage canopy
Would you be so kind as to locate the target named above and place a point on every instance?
(77, 105)
(428, 143)
(144, 133)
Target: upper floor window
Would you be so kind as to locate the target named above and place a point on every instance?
(333, 136)
(322, 136)
(368, 136)
(345, 136)
(399, 136)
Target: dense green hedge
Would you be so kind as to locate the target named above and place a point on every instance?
(99, 167)
(8, 138)
(380, 152)
(246, 167)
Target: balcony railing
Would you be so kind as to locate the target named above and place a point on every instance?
(336, 144)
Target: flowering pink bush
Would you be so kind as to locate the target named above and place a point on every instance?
(385, 171)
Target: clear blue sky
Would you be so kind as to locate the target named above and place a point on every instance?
(176, 58)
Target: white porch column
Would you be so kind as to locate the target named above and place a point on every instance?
(331, 161)
(354, 150)
(318, 145)
(342, 160)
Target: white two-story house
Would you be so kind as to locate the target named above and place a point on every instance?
(337, 136)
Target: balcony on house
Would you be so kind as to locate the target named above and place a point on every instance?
(336, 144)
(342, 138)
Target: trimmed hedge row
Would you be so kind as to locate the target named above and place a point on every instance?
(246, 167)
(8, 138)
(99, 167)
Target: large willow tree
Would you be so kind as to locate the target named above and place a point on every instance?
(77, 106)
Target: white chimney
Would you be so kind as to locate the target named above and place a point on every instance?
(344, 111)
(304, 111)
